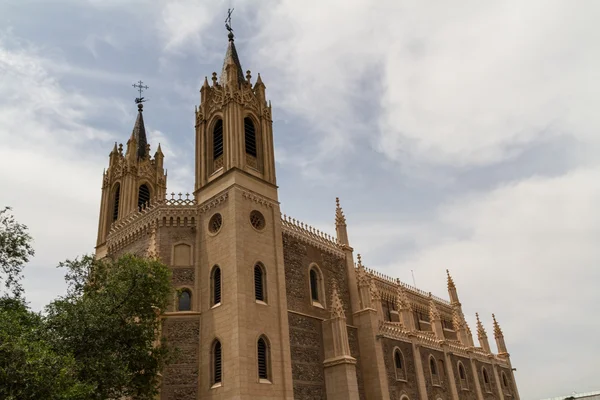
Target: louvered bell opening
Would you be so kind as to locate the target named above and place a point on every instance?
(143, 197)
(314, 288)
(250, 136)
(116, 205)
(218, 140)
(217, 362)
(258, 283)
(217, 286)
(262, 359)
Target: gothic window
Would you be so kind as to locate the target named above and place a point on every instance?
(486, 380)
(216, 285)
(399, 365)
(463, 376)
(262, 350)
(504, 380)
(117, 195)
(185, 300)
(259, 283)
(250, 136)
(218, 144)
(317, 289)
(435, 378)
(143, 197)
(217, 363)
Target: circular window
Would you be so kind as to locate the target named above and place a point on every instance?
(257, 220)
(215, 223)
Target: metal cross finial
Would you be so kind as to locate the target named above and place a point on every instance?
(228, 20)
(139, 85)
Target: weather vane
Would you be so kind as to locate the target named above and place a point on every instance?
(228, 20)
(139, 85)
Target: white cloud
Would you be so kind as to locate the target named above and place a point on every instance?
(182, 21)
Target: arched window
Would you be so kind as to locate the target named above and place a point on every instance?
(317, 288)
(216, 285)
(263, 357)
(435, 378)
(399, 365)
(185, 300)
(504, 380)
(143, 197)
(116, 198)
(260, 292)
(463, 376)
(250, 136)
(217, 363)
(218, 142)
(486, 380)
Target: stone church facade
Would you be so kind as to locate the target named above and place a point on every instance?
(266, 306)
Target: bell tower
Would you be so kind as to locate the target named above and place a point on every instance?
(244, 323)
(133, 181)
(234, 130)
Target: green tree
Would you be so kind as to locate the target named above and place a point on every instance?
(15, 251)
(109, 322)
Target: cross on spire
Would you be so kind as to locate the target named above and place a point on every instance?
(140, 86)
(228, 20)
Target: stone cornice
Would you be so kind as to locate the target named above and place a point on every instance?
(311, 236)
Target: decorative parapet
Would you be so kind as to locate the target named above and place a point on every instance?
(395, 331)
(311, 235)
(168, 211)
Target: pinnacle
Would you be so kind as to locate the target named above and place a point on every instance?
(450, 281)
(497, 330)
(480, 328)
(434, 313)
(337, 308)
(340, 219)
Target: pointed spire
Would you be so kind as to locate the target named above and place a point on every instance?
(340, 219)
(139, 133)
(434, 313)
(340, 224)
(480, 329)
(231, 64)
(452, 292)
(114, 150)
(497, 330)
(337, 308)
(259, 81)
(159, 150)
(205, 84)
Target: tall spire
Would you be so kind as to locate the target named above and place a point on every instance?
(452, 292)
(139, 133)
(231, 64)
(499, 336)
(340, 224)
(481, 335)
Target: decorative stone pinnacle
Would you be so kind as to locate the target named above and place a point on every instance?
(337, 308)
(434, 313)
(450, 281)
(340, 219)
(402, 299)
(497, 330)
(480, 329)
(374, 291)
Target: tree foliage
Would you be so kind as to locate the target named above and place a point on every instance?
(15, 251)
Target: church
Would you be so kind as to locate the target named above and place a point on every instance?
(266, 306)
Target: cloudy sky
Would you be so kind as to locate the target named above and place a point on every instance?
(461, 135)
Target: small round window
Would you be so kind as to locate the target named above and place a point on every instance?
(257, 220)
(215, 223)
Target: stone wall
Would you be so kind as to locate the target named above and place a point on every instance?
(470, 391)
(180, 378)
(397, 387)
(306, 344)
(509, 389)
(298, 257)
(440, 389)
(493, 393)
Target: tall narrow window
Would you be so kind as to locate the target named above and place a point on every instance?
(314, 285)
(218, 140)
(504, 380)
(435, 378)
(216, 285)
(116, 202)
(185, 301)
(250, 136)
(143, 197)
(399, 365)
(441, 370)
(217, 371)
(259, 283)
(463, 376)
(486, 381)
(262, 349)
